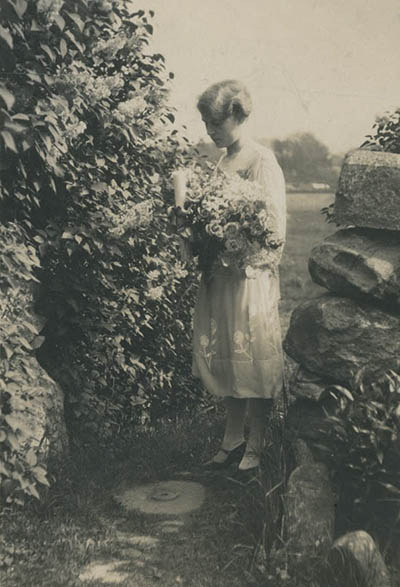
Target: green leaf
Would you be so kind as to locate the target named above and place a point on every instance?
(344, 391)
(31, 458)
(20, 116)
(63, 48)
(20, 7)
(60, 22)
(13, 441)
(37, 342)
(35, 26)
(74, 41)
(100, 186)
(77, 20)
(7, 97)
(5, 35)
(48, 52)
(33, 491)
(40, 474)
(391, 488)
(9, 141)
(25, 343)
(35, 77)
(3, 470)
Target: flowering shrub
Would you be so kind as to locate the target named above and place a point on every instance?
(228, 219)
(87, 144)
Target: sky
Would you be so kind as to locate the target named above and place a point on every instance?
(321, 66)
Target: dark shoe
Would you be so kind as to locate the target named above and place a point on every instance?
(232, 457)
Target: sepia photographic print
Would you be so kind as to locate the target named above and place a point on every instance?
(199, 293)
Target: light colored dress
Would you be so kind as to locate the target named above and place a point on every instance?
(237, 347)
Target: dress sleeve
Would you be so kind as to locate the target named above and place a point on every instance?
(268, 174)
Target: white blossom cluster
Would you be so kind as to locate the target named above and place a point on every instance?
(131, 217)
(94, 88)
(107, 49)
(130, 109)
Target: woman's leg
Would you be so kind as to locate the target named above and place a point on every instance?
(234, 427)
(259, 411)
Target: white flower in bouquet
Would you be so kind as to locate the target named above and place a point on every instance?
(230, 219)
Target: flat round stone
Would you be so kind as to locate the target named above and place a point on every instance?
(164, 497)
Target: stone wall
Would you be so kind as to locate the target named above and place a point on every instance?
(355, 326)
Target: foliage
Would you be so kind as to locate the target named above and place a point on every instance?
(87, 145)
(385, 136)
(386, 133)
(19, 470)
(363, 441)
(329, 213)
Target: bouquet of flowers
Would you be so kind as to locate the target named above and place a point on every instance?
(226, 219)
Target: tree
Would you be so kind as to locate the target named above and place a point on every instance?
(304, 159)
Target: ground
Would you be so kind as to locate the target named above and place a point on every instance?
(83, 536)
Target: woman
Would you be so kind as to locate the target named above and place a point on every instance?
(237, 349)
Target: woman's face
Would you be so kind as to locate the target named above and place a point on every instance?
(223, 133)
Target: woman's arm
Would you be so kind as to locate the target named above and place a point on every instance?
(267, 173)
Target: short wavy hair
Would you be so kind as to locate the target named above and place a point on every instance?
(224, 99)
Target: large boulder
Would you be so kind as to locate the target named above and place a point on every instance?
(36, 401)
(359, 262)
(32, 403)
(37, 405)
(309, 510)
(368, 193)
(336, 337)
(307, 385)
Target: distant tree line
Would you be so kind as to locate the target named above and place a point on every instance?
(304, 159)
